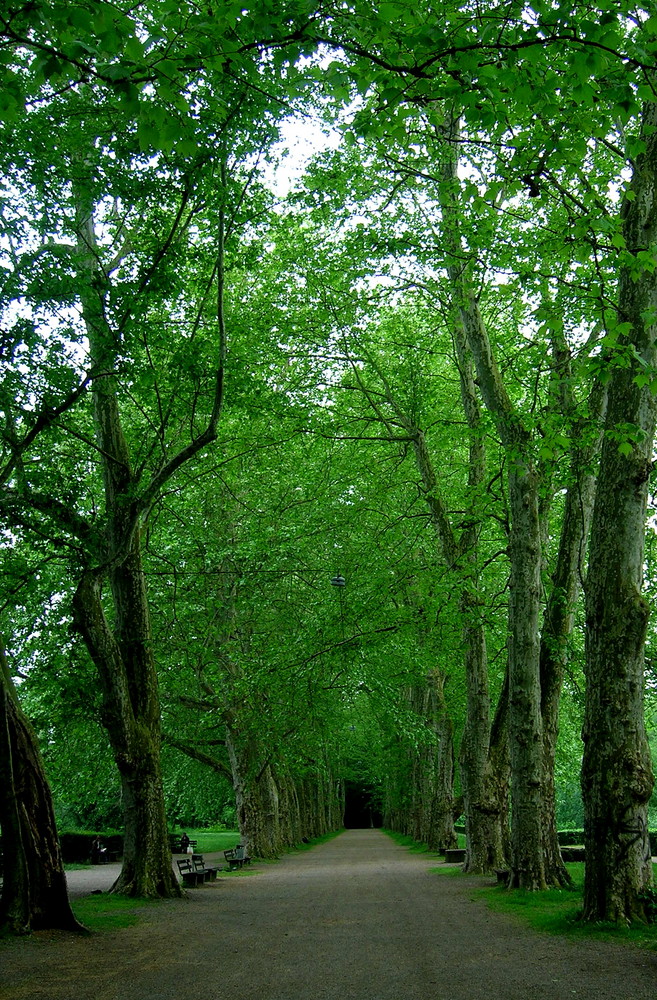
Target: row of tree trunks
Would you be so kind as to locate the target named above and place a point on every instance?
(535, 668)
(559, 615)
(484, 795)
(419, 801)
(275, 809)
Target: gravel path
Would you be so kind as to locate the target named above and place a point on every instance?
(357, 918)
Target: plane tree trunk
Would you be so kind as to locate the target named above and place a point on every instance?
(617, 777)
(559, 613)
(121, 644)
(34, 893)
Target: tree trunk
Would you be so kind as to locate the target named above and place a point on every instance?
(482, 805)
(34, 892)
(256, 796)
(558, 624)
(525, 727)
(131, 718)
(525, 735)
(123, 656)
(441, 826)
(617, 777)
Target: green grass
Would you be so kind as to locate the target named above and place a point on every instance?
(317, 840)
(109, 913)
(213, 840)
(557, 911)
(414, 846)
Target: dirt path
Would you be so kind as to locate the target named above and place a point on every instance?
(357, 918)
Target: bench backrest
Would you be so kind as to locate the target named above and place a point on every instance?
(199, 864)
(240, 852)
(185, 866)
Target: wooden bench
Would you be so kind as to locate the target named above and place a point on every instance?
(573, 852)
(237, 857)
(176, 847)
(455, 854)
(209, 873)
(189, 875)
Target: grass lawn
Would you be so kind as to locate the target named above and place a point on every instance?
(108, 913)
(556, 911)
(212, 840)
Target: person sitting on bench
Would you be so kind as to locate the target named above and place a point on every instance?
(184, 843)
(98, 852)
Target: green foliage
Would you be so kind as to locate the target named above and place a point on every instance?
(340, 313)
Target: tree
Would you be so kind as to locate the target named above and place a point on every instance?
(617, 777)
(34, 892)
(115, 273)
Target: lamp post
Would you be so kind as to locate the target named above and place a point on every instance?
(340, 582)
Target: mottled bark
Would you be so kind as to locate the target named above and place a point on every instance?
(123, 650)
(559, 615)
(256, 796)
(34, 893)
(617, 777)
(130, 715)
(525, 728)
(483, 805)
(525, 731)
(525, 724)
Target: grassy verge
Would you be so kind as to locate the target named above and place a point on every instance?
(414, 846)
(109, 913)
(309, 844)
(557, 911)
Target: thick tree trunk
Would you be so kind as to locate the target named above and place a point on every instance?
(617, 777)
(525, 727)
(525, 735)
(558, 624)
(256, 796)
(131, 718)
(481, 803)
(483, 806)
(123, 655)
(34, 892)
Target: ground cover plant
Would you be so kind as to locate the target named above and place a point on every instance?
(108, 912)
(559, 911)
